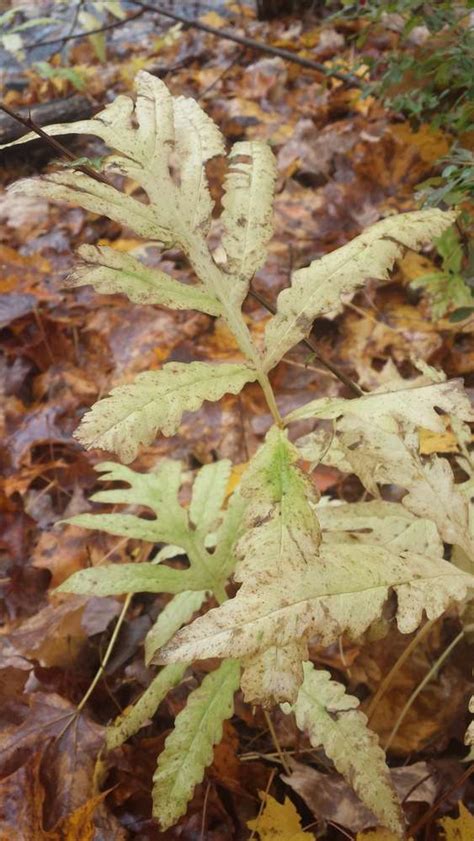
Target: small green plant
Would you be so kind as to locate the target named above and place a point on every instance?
(428, 78)
(306, 567)
(451, 288)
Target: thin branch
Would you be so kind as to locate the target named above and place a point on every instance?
(107, 654)
(251, 44)
(51, 141)
(72, 37)
(314, 350)
(388, 679)
(414, 829)
(432, 672)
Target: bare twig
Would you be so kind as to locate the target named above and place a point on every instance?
(252, 44)
(314, 350)
(388, 679)
(51, 141)
(414, 829)
(414, 695)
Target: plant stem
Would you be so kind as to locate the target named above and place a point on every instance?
(311, 344)
(396, 666)
(107, 654)
(220, 285)
(439, 662)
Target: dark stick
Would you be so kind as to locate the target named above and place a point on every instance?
(51, 141)
(314, 349)
(251, 44)
(414, 828)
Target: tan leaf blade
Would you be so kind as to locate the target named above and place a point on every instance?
(346, 595)
(317, 289)
(156, 400)
(110, 271)
(331, 719)
(248, 211)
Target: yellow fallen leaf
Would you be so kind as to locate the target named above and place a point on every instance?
(122, 244)
(379, 834)
(460, 828)
(235, 477)
(213, 19)
(278, 821)
(431, 143)
(414, 265)
(436, 442)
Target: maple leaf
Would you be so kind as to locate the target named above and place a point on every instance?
(331, 719)
(460, 828)
(278, 821)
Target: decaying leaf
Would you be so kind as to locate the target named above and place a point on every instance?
(460, 828)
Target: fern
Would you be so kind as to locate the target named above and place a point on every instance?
(306, 567)
(331, 719)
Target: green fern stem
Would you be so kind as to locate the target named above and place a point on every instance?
(218, 285)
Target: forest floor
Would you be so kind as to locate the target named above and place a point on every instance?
(344, 162)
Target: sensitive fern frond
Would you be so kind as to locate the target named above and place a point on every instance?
(134, 718)
(189, 748)
(208, 495)
(173, 524)
(389, 524)
(317, 289)
(292, 587)
(344, 590)
(383, 453)
(248, 212)
(173, 616)
(415, 406)
(108, 271)
(197, 140)
(331, 720)
(156, 400)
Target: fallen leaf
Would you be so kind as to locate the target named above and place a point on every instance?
(278, 821)
(55, 635)
(330, 798)
(460, 828)
(431, 143)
